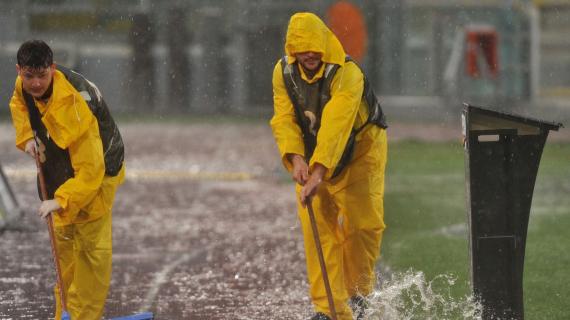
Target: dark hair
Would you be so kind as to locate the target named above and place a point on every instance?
(35, 54)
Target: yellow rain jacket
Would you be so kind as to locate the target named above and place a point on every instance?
(83, 226)
(348, 208)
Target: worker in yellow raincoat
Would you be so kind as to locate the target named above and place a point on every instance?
(330, 131)
(53, 112)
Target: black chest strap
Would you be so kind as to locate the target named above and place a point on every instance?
(56, 166)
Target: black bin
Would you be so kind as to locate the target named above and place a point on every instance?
(502, 155)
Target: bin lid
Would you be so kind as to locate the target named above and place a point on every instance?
(481, 118)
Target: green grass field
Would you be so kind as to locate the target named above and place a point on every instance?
(427, 222)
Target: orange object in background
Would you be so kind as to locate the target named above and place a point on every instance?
(347, 23)
(481, 43)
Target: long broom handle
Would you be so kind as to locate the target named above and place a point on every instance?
(49, 220)
(321, 259)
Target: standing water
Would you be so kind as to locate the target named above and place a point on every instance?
(410, 296)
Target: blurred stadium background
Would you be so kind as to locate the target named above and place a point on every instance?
(210, 57)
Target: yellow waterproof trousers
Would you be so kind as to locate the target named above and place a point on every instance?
(350, 222)
(85, 256)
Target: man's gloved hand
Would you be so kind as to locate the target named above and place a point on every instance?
(47, 207)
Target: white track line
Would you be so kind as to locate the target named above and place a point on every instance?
(162, 276)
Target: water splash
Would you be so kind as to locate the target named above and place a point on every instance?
(408, 295)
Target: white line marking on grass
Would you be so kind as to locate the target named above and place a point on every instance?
(455, 230)
(458, 230)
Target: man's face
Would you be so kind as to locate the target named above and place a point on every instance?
(309, 60)
(36, 81)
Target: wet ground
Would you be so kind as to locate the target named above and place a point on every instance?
(204, 227)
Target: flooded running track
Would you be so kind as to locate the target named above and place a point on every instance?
(204, 227)
(220, 241)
